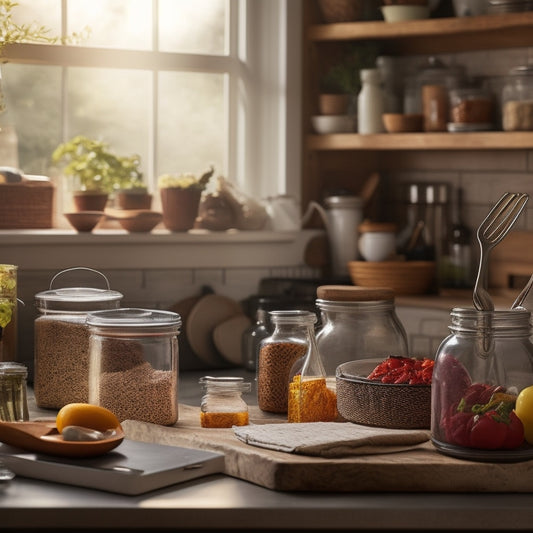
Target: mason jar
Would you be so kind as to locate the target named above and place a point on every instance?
(357, 323)
(133, 369)
(61, 354)
(480, 368)
(517, 100)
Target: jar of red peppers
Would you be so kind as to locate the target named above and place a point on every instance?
(480, 369)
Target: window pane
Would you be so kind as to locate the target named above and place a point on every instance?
(113, 23)
(45, 13)
(192, 132)
(113, 106)
(32, 98)
(193, 26)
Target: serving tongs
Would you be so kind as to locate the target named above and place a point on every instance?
(491, 231)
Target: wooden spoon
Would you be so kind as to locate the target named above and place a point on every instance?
(43, 437)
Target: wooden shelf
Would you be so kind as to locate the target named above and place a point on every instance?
(490, 140)
(428, 36)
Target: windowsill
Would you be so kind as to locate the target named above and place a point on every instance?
(110, 248)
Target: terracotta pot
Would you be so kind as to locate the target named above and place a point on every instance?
(333, 104)
(133, 200)
(180, 207)
(90, 200)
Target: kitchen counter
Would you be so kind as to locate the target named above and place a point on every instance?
(219, 502)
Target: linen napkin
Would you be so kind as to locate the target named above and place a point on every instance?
(330, 439)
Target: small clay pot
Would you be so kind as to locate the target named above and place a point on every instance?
(133, 200)
(180, 207)
(90, 200)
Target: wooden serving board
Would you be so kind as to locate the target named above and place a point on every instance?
(418, 470)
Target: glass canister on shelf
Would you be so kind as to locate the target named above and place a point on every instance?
(133, 368)
(471, 109)
(357, 323)
(8, 312)
(287, 344)
(222, 405)
(61, 374)
(480, 369)
(517, 100)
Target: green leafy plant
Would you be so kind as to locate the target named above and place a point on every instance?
(94, 167)
(344, 76)
(186, 180)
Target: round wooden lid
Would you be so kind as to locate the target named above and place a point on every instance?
(371, 227)
(352, 293)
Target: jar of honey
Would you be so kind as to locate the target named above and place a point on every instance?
(222, 405)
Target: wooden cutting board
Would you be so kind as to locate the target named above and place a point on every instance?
(420, 470)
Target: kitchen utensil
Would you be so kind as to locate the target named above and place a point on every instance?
(517, 304)
(491, 231)
(43, 437)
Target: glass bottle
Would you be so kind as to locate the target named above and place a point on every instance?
(357, 323)
(483, 364)
(8, 313)
(277, 354)
(517, 100)
(222, 405)
(133, 368)
(458, 267)
(311, 397)
(370, 103)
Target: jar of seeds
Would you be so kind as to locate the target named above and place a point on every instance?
(277, 355)
(133, 369)
(61, 373)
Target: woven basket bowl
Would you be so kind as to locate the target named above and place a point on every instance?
(373, 403)
(404, 277)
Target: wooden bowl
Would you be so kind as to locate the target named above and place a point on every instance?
(404, 277)
(84, 221)
(372, 403)
(138, 221)
(403, 123)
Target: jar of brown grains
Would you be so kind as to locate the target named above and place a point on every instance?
(277, 355)
(61, 354)
(133, 369)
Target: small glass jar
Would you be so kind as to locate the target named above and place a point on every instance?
(13, 392)
(61, 355)
(8, 312)
(471, 107)
(517, 100)
(133, 368)
(483, 364)
(357, 323)
(222, 405)
(278, 353)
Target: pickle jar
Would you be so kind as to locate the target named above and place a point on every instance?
(222, 405)
(357, 323)
(13, 392)
(133, 368)
(480, 369)
(61, 353)
(517, 100)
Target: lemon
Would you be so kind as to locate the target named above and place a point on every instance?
(87, 416)
(524, 411)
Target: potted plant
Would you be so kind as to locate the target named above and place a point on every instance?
(341, 83)
(95, 171)
(180, 198)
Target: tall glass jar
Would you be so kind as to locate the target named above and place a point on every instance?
(61, 354)
(133, 368)
(278, 353)
(480, 367)
(517, 100)
(8, 313)
(357, 323)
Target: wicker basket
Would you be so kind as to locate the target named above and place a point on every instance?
(386, 405)
(341, 10)
(26, 205)
(404, 277)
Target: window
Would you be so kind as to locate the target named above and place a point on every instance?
(184, 84)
